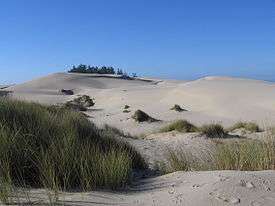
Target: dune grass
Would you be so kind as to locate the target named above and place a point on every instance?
(244, 155)
(59, 149)
(249, 126)
(180, 126)
(213, 131)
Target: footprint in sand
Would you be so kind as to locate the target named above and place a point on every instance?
(246, 184)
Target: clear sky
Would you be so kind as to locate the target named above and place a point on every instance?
(182, 39)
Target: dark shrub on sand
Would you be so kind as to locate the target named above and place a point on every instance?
(80, 103)
(67, 91)
(141, 116)
(126, 106)
(177, 108)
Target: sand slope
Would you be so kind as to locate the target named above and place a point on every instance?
(184, 188)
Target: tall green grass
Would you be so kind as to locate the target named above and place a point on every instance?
(244, 155)
(60, 149)
(213, 131)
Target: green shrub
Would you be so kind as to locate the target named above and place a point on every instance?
(56, 148)
(126, 107)
(249, 126)
(180, 126)
(213, 131)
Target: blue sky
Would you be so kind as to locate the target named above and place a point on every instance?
(182, 39)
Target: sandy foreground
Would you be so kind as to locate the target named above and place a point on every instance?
(212, 99)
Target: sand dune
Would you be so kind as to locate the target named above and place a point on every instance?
(219, 99)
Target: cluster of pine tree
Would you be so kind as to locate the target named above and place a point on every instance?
(82, 68)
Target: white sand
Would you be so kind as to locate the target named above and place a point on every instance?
(211, 99)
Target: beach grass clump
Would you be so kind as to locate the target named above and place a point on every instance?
(244, 155)
(249, 155)
(213, 131)
(180, 126)
(60, 149)
(141, 116)
(249, 126)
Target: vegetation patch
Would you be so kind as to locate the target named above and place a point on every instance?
(177, 108)
(126, 106)
(60, 149)
(141, 116)
(80, 103)
(213, 131)
(248, 126)
(67, 91)
(87, 69)
(4, 93)
(180, 126)
(248, 155)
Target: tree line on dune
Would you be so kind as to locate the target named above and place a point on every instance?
(82, 68)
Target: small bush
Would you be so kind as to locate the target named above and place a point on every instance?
(141, 116)
(249, 126)
(126, 106)
(67, 91)
(80, 103)
(177, 108)
(56, 148)
(213, 131)
(126, 111)
(180, 126)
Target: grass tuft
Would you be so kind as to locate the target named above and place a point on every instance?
(213, 131)
(249, 126)
(180, 126)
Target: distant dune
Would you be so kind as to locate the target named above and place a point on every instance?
(218, 99)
